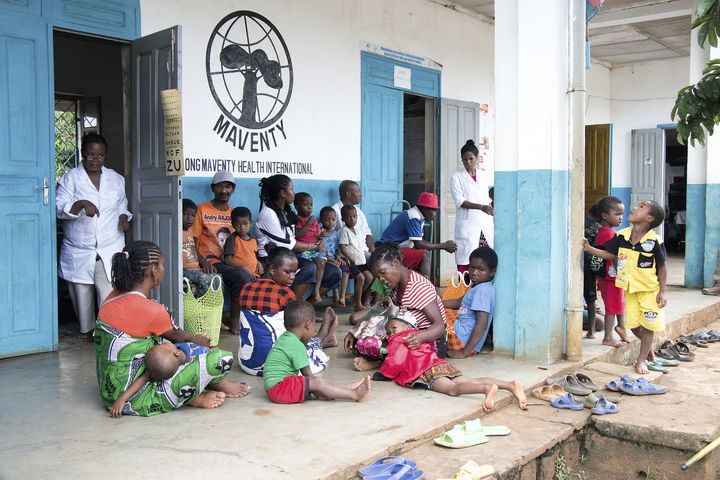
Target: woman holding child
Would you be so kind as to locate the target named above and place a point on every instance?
(130, 325)
(276, 228)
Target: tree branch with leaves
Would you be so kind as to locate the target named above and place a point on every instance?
(697, 107)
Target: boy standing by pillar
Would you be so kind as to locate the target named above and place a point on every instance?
(642, 273)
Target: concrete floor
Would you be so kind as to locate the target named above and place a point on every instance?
(54, 426)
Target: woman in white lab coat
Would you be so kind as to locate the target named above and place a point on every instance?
(474, 225)
(91, 202)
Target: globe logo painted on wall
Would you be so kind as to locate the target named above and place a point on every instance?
(249, 70)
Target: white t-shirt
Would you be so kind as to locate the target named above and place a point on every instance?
(354, 243)
(361, 227)
(269, 230)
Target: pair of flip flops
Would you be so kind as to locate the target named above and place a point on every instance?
(566, 402)
(548, 392)
(604, 406)
(472, 471)
(577, 383)
(675, 351)
(693, 341)
(592, 399)
(469, 433)
(710, 336)
(656, 366)
(636, 386)
(391, 468)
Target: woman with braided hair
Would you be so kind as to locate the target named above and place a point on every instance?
(129, 324)
(276, 228)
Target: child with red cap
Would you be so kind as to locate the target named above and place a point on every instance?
(406, 230)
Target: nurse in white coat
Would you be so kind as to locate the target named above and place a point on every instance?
(474, 216)
(91, 202)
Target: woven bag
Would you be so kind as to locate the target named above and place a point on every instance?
(204, 314)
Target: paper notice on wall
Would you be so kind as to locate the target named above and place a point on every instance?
(402, 77)
(174, 157)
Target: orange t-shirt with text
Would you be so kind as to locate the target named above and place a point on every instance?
(134, 314)
(211, 228)
(189, 252)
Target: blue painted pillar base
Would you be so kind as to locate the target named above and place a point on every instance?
(695, 235)
(531, 225)
(712, 232)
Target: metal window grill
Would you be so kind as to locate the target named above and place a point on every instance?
(67, 153)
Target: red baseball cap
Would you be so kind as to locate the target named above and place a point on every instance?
(428, 200)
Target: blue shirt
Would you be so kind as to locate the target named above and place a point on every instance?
(191, 350)
(331, 244)
(480, 298)
(406, 226)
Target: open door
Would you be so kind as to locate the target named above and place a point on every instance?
(382, 154)
(154, 196)
(597, 163)
(27, 184)
(647, 170)
(459, 121)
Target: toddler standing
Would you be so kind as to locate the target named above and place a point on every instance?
(351, 248)
(328, 221)
(307, 230)
(642, 273)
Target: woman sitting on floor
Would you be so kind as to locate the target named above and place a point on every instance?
(129, 324)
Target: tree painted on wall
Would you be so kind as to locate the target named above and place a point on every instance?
(697, 107)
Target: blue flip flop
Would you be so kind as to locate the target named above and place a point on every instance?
(566, 402)
(603, 406)
(398, 472)
(643, 388)
(381, 465)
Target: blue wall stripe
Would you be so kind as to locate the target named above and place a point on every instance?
(695, 235)
(623, 193)
(712, 232)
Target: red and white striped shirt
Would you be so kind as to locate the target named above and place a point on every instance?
(418, 293)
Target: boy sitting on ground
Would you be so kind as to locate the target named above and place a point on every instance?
(162, 362)
(467, 335)
(287, 369)
(642, 273)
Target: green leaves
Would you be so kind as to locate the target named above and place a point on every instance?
(697, 107)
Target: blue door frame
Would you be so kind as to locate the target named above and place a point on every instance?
(28, 289)
(382, 132)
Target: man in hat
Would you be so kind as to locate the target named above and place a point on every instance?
(406, 230)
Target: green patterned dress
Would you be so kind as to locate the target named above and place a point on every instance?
(119, 361)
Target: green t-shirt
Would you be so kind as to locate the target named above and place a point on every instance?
(287, 356)
(380, 288)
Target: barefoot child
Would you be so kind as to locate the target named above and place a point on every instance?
(609, 212)
(421, 366)
(642, 273)
(287, 373)
(328, 221)
(467, 335)
(163, 361)
(351, 248)
(307, 230)
(590, 266)
(240, 248)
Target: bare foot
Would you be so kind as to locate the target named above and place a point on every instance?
(341, 303)
(86, 336)
(519, 394)
(641, 369)
(362, 390)
(327, 332)
(362, 364)
(489, 402)
(230, 389)
(315, 298)
(208, 400)
(622, 333)
(354, 385)
(590, 335)
(613, 343)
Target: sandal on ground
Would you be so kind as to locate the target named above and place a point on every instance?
(571, 384)
(586, 382)
(459, 437)
(383, 464)
(398, 472)
(714, 334)
(714, 290)
(473, 471)
(693, 341)
(475, 426)
(681, 349)
(614, 385)
(665, 362)
(704, 337)
(592, 399)
(566, 402)
(655, 366)
(643, 388)
(546, 393)
(603, 406)
(667, 353)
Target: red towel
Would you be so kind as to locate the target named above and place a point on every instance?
(405, 365)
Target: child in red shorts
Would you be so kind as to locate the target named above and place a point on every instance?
(609, 212)
(287, 374)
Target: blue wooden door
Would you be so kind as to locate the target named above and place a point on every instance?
(28, 309)
(382, 154)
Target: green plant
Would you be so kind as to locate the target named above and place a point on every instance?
(697, 107)
(563, 472)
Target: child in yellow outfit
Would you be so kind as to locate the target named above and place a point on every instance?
(642, 273)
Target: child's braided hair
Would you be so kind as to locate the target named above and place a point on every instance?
(270, 190)
(387, 252)
(128, 266)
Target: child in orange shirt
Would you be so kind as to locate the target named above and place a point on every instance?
(240, 248)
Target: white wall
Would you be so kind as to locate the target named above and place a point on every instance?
(642, 96)
(598, 82)
(322, 120)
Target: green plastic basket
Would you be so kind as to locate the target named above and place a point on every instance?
(204, 314)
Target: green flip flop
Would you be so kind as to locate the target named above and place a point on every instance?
(591, 400)
(665, 362)
(458, 437)
(656, 367)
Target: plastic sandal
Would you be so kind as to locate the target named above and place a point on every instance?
(655, 366)
(382, 464)
(586, 382)
(643, 388)
(545, 393)
(667, 354)
(704, 337)
(667, 363)
(714, 334)
(592, 399)
(458, 437)
(475, 426)
(570, 384)
(472, 471)
(566, 402)
(603, 406)
(398, 472)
